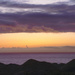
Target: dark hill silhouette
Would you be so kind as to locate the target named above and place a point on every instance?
(1, 64)
(70, 66)
(31, 61)
(34, 67)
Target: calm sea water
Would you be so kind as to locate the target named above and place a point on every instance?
(21, 58)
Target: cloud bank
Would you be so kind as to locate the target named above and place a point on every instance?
(26, 17)
(64, 49)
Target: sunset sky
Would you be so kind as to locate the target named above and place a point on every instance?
(37, 23)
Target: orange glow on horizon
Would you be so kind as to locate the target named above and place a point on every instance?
(37, 39)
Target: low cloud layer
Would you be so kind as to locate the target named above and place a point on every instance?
(65, 49)
(20, 17)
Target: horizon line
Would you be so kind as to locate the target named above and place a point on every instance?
(35, 47)
(37, 53)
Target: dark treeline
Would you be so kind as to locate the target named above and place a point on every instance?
(34, 67)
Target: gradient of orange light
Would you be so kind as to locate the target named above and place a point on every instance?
(37, 39)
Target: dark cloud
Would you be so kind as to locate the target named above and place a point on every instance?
(7, 22)
(38, 22)
(36, 18)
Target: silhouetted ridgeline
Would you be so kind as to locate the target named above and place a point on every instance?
(33, 67)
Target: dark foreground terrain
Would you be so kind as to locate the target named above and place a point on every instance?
(33, 67)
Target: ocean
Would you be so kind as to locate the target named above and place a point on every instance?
(20, 58)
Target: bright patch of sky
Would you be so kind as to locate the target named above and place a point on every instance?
(15, 10)
(37, 2)
(9, 10)
(45, 1)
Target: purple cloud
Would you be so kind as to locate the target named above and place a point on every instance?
(15, 17)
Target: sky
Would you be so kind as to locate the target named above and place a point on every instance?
(37, 23)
